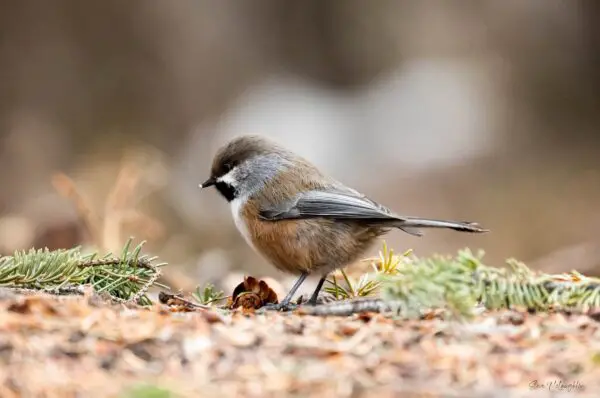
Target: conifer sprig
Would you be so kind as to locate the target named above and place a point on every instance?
(410, 286)
(126, 278)
(459, 283)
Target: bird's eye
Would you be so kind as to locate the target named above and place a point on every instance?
(229, 166)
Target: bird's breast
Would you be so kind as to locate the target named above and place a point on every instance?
(277, 241)
(238, 211)
(296, 246)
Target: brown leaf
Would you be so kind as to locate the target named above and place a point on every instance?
(366, 316)
(33, 305)
(212, 317)
(348, 330)
(595, 315)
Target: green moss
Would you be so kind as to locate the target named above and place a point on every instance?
(147, 391)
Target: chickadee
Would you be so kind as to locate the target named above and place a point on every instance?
(301, 220)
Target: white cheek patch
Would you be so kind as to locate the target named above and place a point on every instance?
(229, 178)
(237, 204)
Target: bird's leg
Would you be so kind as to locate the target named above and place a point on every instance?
(285, 305)
(315, 295)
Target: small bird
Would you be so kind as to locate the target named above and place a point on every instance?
(301, 220)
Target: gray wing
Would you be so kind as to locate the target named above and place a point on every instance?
(338, 205)
(350, 205)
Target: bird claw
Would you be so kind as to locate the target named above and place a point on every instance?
(282, 307)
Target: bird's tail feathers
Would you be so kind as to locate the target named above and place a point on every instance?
(411, 225)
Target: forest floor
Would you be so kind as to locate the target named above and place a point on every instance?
(81, 347)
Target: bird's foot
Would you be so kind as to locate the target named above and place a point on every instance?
(320, 300)
(282, 307)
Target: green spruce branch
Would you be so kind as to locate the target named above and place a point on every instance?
(126, 278)
(410, 286)
(460, 283)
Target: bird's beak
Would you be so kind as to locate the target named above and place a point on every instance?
(210, 182)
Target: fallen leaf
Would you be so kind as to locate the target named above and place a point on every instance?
(33, 305)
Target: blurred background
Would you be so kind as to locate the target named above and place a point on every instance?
(110, 113)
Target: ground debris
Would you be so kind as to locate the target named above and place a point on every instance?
(52, 347)
(252, 294)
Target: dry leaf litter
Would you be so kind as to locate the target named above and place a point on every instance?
(82, 347)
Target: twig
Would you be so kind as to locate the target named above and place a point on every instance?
(139, 262)
(177, 300)
(349, 307)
